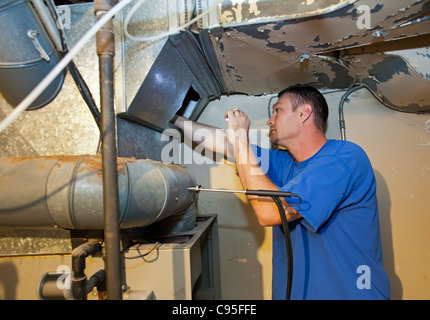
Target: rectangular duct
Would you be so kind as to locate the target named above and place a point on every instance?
(179, 76)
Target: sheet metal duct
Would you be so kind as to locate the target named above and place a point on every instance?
(27, 55)
(179, 81)
(67, 192)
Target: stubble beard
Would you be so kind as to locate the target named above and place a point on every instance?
(273, 138)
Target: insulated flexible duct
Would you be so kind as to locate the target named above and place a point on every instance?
(67, 192)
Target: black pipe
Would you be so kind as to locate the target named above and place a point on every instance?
(97, 280)
(79, 279)
(106, 53)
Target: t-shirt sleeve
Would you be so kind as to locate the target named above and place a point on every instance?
(270, 160)
(322, 187)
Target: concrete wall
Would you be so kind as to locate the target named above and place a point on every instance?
(398, 145)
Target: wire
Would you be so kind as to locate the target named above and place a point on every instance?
(163, 34)
(141, 255)
(341, 116)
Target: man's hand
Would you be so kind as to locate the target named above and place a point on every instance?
(238, 126)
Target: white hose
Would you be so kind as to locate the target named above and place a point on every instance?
(164, 34)
(61, 65)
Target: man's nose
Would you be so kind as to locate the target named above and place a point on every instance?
(270, 121)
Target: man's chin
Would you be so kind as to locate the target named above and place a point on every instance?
(273, 139)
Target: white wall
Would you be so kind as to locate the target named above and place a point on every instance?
(398, 145)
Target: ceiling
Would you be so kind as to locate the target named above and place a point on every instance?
(331, 44)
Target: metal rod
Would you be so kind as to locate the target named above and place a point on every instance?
(263, 193)
(197, 189)
(106, 53)
(271, 193)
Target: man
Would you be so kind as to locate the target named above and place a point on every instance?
(335, 229)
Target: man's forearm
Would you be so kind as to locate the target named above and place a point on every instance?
(210, 137)
(252, 177)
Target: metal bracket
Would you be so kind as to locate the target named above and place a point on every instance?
(32, 34)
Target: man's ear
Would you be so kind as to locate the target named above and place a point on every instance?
(306, 112)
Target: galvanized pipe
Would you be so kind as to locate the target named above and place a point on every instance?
(67, 192)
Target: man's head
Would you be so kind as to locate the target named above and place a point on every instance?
(296, 105)
(305, 94)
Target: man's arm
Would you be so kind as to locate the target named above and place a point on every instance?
(251, 175)
(235, 142)
(211, 138)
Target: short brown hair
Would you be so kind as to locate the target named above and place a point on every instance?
(302, 94)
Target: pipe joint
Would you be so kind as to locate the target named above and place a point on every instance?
(102, 6)
(79, 254)
(105, 39)
(79, 279)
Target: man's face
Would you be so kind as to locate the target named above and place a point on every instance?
(284, 123)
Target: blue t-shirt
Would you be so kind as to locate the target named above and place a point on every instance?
(336, 245)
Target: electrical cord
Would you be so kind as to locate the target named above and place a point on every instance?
(142, 255)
